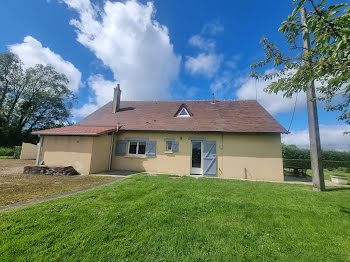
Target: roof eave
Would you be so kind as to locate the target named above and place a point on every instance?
(75, 134)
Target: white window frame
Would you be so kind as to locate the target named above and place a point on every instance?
(166, 146)
(137, 148)
(187, 114)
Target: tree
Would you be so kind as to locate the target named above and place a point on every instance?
(329, 29)
(31, 99)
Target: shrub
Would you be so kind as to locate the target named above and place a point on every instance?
(6, 151)
(17, 152)
(306, 163)
(301, 163)
(330, 168)
(293, 152)
(347, 170)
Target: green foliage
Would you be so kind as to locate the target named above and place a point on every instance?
(298, 157)
(30, 99)
(306, 163)
(300, 163)
(12, 152)
(17, 152)
(6, 151)
(293, 152)
(327, 62)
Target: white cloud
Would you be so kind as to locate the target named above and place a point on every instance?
(103, 93)
(208, 61)
(84, 110)
(202, 43)
(31, 52)
(204, 64)
(213, 28)
(137, 49)
(332, 138)
(274, 103)
(222, 85)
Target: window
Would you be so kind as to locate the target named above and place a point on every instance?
(183, 113)
(169, 146)
(137, 148)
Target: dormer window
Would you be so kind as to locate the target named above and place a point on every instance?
(183, 112)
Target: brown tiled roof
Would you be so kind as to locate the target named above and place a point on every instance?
(77, 130)
(225, 116)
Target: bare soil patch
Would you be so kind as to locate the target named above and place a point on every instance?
(17, 187)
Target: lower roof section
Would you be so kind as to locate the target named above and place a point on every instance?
(77, 131)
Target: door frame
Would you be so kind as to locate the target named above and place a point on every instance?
(196, 170)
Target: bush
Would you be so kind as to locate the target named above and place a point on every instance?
(330, 168)
(301, 163)
(306, 163)
(6, 151)
(293, 152)
(17, 152)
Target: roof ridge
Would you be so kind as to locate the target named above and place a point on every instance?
(197, 100)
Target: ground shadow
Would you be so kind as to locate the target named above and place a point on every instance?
(345, 210)
(337, 189)
(288, 176)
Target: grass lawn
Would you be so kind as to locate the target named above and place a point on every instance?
(334, 172)
(162, 218)
(17, 187)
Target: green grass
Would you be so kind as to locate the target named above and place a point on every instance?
(334, 172)
(161, 218)
(7, 157)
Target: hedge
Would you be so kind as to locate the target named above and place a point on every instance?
(293, 152)
(6, 151)
(10, 152)
(306, 163)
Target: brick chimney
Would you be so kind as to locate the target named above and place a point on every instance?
(116, 98)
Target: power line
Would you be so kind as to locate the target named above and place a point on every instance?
(295, 105)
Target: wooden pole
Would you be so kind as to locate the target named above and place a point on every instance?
(314, 133)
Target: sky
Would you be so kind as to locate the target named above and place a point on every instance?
(161, 50)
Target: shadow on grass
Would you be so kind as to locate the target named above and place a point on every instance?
(345, 210)
(337, 189)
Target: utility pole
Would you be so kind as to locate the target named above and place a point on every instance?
(314, 133)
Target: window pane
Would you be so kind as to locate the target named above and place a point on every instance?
(169, 146)
(183, 112)
(142, 148)
(132, 148)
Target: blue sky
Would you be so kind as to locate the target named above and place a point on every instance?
(159, 50)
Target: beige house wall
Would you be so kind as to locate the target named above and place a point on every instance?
(29, 151)
(250, 156)
(101, 149)
(68, 150)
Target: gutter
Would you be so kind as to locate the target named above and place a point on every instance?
(112, 148)
(39, 151)
(111, 153)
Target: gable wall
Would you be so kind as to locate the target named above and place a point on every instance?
(73, 151)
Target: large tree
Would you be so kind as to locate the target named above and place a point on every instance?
(329, 29)
(30, 99)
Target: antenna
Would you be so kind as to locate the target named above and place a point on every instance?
(213, 99)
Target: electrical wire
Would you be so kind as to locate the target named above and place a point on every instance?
(295, 105)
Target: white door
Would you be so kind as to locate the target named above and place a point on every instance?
(196, 158)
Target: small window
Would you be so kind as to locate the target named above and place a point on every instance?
(137, 148)
(169, 146)
(183, 113)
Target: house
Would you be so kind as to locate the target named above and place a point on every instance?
(221, 138)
